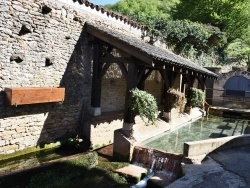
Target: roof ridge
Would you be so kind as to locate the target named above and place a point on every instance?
(111, 13)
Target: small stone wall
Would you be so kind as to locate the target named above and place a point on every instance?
(157, 160)
(166, 166)
(202, 147)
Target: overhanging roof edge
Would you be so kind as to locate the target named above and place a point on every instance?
(146, 52)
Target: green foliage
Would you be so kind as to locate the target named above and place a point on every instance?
(195, 97)
(230, 16)
(145, 104)
(238, 49)
(180, 33)
(144, 8)
(200, 30)
(177, 98)
(193, 40)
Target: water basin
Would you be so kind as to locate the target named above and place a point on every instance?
(202, 129)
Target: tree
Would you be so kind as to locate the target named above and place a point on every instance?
(231, 16)
(201, 30)
(144, 8)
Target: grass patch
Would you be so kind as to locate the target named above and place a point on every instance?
(82, 171)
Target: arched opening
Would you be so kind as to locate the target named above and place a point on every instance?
(237, 86)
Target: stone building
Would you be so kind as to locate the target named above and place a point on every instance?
(96, 55)
(231, 89)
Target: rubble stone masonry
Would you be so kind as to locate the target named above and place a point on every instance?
(45, 44)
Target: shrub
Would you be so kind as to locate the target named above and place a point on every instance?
(195, 98)
(177, 99)
(145, 104)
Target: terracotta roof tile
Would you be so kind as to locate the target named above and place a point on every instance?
(110, 13)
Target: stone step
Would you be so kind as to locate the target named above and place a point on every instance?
(133, 173)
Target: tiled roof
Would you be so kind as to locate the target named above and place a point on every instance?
(149, 52)
(110, 13)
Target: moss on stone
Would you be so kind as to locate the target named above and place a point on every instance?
(83, 170)
(30, 150)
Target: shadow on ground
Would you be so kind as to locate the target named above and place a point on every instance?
(80, 172)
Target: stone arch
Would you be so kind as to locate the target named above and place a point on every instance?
(237, 83)
(223, 95)
(237, 86)
(223, 78)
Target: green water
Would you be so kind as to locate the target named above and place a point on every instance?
(202, 129)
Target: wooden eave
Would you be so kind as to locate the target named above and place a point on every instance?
(153, 57)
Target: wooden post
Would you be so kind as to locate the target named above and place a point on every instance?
(131, 84)
(181, 80)
(201, 83)
(96, 81)
(141, 81)
(169, 79)
(122, 147)
(192, 79)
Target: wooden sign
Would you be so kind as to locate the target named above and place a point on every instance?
(33, 95)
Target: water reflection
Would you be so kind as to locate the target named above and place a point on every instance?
(205, 128)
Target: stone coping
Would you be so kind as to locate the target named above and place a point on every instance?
(230, 109)
(202, 147)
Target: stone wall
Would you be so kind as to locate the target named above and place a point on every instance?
(29, 39)
(45, 44)
(219, 98)
(100, 129)
(154, 85)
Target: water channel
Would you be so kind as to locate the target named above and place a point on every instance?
(204, 128)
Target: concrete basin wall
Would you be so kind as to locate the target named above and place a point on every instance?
(202, 147)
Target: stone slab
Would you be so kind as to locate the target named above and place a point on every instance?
(227, 168)
(133, 171)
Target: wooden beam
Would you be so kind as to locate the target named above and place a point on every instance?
(109, 58)
(104, 70)
(131, 84)
(120, 44)
(143, 77)
(165, 78)
(123, 69)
